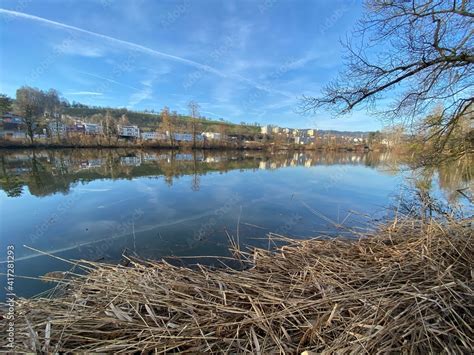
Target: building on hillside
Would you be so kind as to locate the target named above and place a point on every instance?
(12, 125)
(57, 128)
(388, 142)
(186, 137)
(212, 135)
(129, 131)
(92, 128)
(153, 136)
(276, 130)
(77, 127)
(11, 118)
(302, 139)
(10, 134)
(267, 129)
(311, 132)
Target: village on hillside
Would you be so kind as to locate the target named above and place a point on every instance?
(69, 128)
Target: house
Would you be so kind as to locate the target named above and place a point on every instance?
(10, 134)
(92, 128)
(302, 140)
(212, 135)
(57, 128)
(129, 131)
(311, 132)
(153, 136)
(12, 127)
(388, 142)
(186, 137)
(267, 129)
(76, 128)
(276, 129)
(11, 118)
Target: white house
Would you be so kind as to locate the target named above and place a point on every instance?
(267, 129)
(186, 137)
(212, 135)
(153, 136)
(56, 128)
(92, 128)
(129, 131)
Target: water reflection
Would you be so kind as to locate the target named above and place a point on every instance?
(96, 204)
(46, 172)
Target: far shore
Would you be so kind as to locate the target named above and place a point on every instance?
(160, 145)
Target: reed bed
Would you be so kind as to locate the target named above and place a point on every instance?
(408, 288)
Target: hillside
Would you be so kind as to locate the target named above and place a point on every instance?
(152, 120)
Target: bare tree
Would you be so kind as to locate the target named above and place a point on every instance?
(194, 113)
(167, 124)
(418, 52)
(52, 106)
(109, 127)
(30, 105)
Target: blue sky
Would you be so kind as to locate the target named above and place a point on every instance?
(240, 60)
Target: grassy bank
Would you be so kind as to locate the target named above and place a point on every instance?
(406, 288)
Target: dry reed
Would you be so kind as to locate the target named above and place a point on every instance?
(407, 289)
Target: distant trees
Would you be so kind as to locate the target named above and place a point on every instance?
(194, 113)
(5, 104)
(419, 52)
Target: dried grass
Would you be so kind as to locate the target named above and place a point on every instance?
(408, 289)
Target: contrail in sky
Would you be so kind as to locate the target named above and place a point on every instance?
(143, 49)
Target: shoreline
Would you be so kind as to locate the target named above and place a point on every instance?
(38, 146)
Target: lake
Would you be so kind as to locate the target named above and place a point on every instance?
(98, 204)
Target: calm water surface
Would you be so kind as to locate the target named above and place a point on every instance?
(95, 205)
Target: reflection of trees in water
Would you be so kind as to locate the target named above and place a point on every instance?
(10, 183)
(455, 178)
(48, 171)
(457, 175)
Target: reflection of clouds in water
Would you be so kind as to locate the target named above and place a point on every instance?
(138, 229)
(92, 190)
